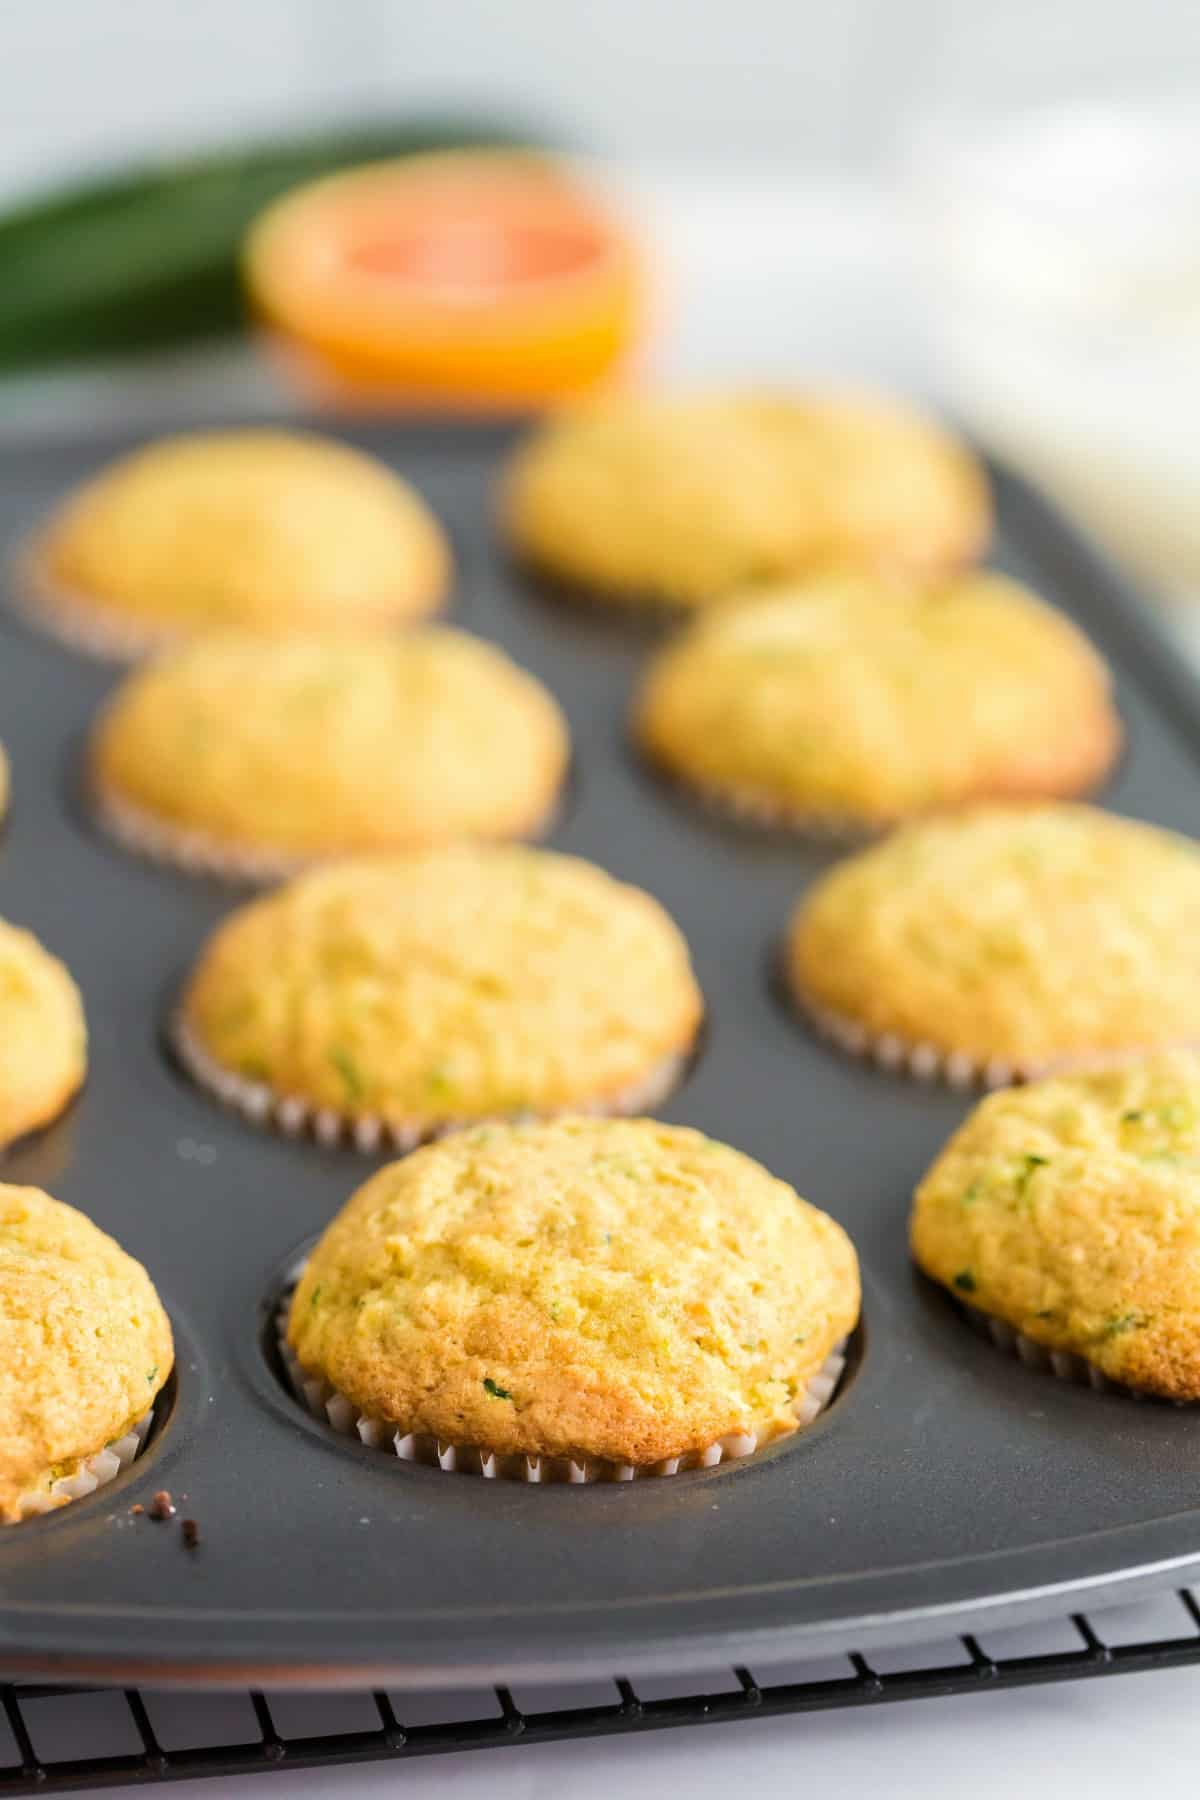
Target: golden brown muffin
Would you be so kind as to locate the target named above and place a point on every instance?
(402, 996)
(267, 531)
(252, 757)
(1006, 942)
(1070, 1212)
(686, 498)
(43, 1038)
(87, 1346)
(592, 1289)
(842, 703)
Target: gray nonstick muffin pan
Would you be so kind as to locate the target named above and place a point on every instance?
(945, 1483)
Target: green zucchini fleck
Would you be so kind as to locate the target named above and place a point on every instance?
(1117, 1324)
(347, 1068)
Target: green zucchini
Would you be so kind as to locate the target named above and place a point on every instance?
(149, 259)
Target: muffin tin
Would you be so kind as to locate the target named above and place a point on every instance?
(945, 1482)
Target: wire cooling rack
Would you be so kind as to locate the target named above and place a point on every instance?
(57, 1739)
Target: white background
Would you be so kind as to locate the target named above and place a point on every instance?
(758, 136)
(830, 82)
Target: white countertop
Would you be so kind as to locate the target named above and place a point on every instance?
(786, 278)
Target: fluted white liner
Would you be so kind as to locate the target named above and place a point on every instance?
(925, 1061)
(325, 1402)
(80, 624)
(754, 808)
(959, 1068)
(93, 1472)
(195, 851)
(294, 1116)
(200, 852)
(1065, 1364)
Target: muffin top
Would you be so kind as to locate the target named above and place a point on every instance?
(617, 1289)
(687, 497)
(87, 1345)
(846, 697)
(314, 746)
(269, 530)
(1071, 1209)
(43, 1038)
(458, 984)
(1032, 936)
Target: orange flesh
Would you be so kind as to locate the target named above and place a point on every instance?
(477, 279)
(470, 255)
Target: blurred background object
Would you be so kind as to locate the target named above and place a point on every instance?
(151, 254)
(690, 80)
(471, 278)
(941, 195)
(1061, 252)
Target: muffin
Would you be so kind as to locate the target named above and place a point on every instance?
(267, 531)
(43, 1038)
(87, 1347)
(684, 498)
(249, 757)
(841, 703)
(582, 1300)
(393, 999)
(1005, 943)
(1067, 1214)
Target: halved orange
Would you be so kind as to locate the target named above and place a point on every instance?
(471, 278)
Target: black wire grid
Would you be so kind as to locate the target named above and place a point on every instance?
(381, 1727)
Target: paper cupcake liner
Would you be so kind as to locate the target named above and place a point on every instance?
(199, 852)
(925, 1061)
(332, 1408)
(78, 623)
(93, 1472)
(960, 1068)
(753, 807)
(1065, 1365)
(749, 807)
(295, 1116)
(196, 852)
